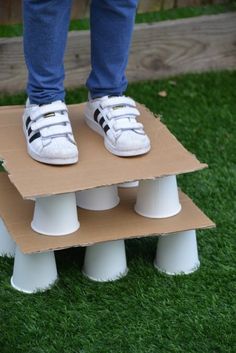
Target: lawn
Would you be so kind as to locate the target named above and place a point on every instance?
(148, 312)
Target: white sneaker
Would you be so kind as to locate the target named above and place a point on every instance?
(114, 118)
(49, 134)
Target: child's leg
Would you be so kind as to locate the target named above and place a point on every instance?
(46, 25)
(46, 124)
(112, 23)
(109, 112)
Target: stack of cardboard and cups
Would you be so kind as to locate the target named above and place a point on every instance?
(98, 199)
(33, 272)
(177, 253)
(129, 184)
(105, 261)
(158, 198)
(55, 215)
(7, 245)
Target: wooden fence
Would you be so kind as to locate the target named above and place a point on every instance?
(11, 10)
(158, 50)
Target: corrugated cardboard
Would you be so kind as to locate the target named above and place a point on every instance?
(97, 166)
(121, 222)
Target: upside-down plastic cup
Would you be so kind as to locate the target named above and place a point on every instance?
(129, 184)
(158, 198)
(105, 261)
(33, 272)
(7, 245)
(55, 215)
(177, 253)
(98, 199)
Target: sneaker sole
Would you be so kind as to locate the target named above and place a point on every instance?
(110, 147)
(55, 161)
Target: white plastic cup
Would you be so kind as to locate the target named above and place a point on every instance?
(98, 199)
(34, 272)
(177, 253)
(55, 215)
(105, 261)
(7, 245)
(129, 184)
(158, 198)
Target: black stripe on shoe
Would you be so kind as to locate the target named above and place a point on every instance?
(96, 113)
(106, 128)
(35, 136)
(101, 121)
(28, 120)
(29, 131)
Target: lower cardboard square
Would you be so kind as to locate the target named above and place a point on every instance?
(121, 222)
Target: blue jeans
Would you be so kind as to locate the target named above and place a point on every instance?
(46, 24)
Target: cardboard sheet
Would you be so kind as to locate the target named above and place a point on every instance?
(121, 222)
(97, 166)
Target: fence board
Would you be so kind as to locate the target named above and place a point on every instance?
(184, 3)
(169, 4)
(149, 5)
(80, 9)
(10, 11)
(158, 50)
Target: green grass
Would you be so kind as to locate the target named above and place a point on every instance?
(148, 312)
(170, 14)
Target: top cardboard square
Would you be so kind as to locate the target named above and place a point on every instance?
(96, 166)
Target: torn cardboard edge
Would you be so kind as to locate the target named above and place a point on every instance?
(96, 167)
(121, 222)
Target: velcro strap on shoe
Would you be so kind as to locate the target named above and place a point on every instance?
(113, 101)
(49, 121)
(123, 111)
(127, 125)
(56, 130)
(47, 108)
